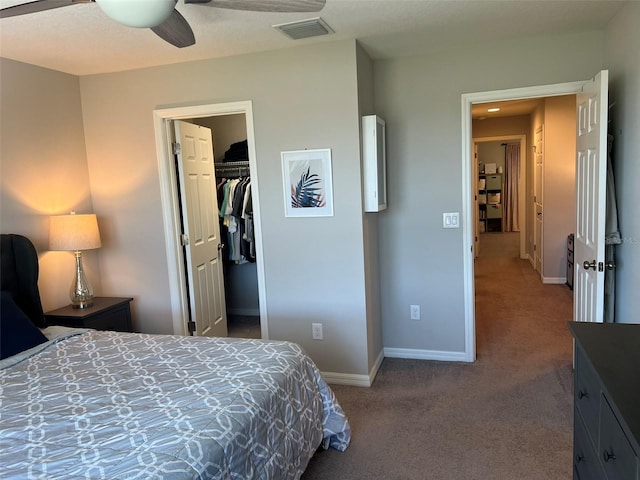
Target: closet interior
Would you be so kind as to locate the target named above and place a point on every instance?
(233, 182)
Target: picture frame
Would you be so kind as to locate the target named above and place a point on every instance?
(308, 186)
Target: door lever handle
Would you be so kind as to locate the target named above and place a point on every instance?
(587, 265)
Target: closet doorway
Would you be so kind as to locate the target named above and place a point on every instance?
(233, 182)
(235, 112)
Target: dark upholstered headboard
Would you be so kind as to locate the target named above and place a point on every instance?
(19, 275)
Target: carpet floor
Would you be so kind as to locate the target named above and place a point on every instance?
(508, 416)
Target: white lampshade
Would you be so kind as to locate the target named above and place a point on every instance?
(74, 232)
(138, 13)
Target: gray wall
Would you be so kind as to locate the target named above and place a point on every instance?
(314, 267)
(623, 38)
(43, 168)
(309, 97)
(420, 97)
(370, 222)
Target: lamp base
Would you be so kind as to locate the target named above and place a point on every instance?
(83, 304)
(81, 293)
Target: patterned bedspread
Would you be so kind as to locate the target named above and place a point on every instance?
(118, 406)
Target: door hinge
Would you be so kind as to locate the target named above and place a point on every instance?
(184, 240)
(191, 326)
(175, 146)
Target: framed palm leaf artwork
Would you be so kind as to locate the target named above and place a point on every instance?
(308, 190)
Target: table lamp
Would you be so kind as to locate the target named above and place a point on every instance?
(75, 233)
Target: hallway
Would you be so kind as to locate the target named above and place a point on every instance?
(514, 309)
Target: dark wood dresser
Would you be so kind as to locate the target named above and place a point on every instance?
(606, 421)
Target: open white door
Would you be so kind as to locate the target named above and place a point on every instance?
(201, 229)
(591, 182)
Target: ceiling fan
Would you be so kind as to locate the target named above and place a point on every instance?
(161, 16)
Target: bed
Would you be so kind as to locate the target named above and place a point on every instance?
(78, 403)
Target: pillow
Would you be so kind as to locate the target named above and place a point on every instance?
(17, 332)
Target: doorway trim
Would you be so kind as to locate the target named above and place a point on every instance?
(468, 184)
(171, 206)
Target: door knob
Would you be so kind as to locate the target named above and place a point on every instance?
(587, 265)
(610, 265)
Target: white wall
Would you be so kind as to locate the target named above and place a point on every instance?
(420, 98)
(314, 267)
(43, 168)
(623, 61)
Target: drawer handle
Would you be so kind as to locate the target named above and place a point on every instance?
(582, 395)
(608, 456)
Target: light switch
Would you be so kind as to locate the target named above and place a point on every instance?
(451, 220)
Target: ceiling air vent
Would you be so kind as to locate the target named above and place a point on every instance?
(314, 27)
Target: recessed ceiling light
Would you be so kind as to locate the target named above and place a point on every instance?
(496, 109)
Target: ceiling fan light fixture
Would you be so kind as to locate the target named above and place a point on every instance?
(138, 13)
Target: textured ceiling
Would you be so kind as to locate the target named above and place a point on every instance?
(81, 40)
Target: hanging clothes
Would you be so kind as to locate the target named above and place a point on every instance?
(236, 214)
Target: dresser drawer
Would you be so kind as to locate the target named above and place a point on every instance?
(607, 401)
(585, 459)
(587, 394)
(618, 458)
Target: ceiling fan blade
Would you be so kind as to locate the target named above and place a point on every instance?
(175, 30)
(265, 5)
(37, 6)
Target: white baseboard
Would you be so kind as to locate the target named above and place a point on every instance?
(346, 379)
(416, 354)
(409, 353)
(554, 280)
(353, 379)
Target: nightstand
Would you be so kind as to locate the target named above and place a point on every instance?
(106, 313)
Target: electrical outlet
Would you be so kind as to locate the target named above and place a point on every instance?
(415, 312)
(316, 331)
